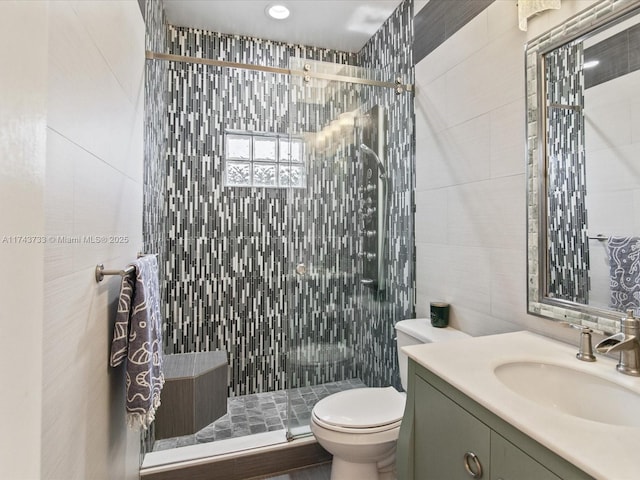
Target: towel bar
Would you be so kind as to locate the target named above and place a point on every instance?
(599, 237)
(101, 272)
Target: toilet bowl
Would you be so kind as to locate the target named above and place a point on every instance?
(360, 427)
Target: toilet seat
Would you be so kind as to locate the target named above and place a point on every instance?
(361, 410)
(351, 430)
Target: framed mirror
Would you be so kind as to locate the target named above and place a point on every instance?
(583, 167)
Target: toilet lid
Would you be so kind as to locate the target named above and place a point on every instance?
(361, 408)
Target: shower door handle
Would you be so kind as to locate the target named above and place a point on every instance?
(301, 269)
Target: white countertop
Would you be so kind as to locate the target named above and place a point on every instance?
(604, 451)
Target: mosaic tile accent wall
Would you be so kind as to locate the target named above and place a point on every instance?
(154, 226)
(390, 52)
(231, 251)
(155, 144)
(568, 245)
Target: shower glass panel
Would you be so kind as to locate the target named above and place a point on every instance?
(336, 214)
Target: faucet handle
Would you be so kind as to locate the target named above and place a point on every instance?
(586, 347)
(629, 324)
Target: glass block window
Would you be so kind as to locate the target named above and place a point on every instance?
(264, 160)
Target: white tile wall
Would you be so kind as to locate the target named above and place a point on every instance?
(612, 149)
(23, 34)
(88, 102)
(507, 137)
(470, 173)
(418, 5)
(93, 187)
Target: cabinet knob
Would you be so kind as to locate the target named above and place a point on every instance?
(472, 465)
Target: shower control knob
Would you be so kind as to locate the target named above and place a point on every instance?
(371, 256)
(370, 188)
(370, 233)
(301, 269)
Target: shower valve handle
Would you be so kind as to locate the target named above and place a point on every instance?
(301, 269)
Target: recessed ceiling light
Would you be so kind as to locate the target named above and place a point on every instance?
(591, 64)
(279, 12)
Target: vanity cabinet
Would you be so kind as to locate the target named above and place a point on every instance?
(446, 435)
(509, 462)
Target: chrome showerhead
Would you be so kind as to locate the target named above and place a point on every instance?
(367, 150)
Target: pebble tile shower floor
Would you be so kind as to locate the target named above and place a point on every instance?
(261, 412)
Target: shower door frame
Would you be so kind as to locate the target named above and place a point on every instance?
(303, 274)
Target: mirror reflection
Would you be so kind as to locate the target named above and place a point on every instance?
(588, 112)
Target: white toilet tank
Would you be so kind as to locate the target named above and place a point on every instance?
(416, 331)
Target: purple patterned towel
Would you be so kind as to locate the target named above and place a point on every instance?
(137, 336)
(624, 264)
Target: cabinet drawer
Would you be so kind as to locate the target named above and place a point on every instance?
(444, 434)
(508, 462)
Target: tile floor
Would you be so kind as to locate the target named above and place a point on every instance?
(259, 413)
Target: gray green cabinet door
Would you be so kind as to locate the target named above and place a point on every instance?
(445, 436)
(508, 462)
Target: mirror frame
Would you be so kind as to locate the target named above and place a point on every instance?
(580, 25)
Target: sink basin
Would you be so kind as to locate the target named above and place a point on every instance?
(572, 392)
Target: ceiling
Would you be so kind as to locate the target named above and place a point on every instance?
(337, 24)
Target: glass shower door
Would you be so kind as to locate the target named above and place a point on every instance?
(325, 235)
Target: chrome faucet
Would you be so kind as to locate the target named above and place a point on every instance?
(627, 342)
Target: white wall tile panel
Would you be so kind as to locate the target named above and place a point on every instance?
(87, 103)
(462, 45)
(508, 280)
(120, 51)
(23, 76)
(433, 205)
(95, 120)
(59, 205)
(485, 215)
(491, 78)
(433, 275)
(507, 140)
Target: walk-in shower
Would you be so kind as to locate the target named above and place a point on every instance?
(289, 234)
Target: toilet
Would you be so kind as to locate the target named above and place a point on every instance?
(360, 427)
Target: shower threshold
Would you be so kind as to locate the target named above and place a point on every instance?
(203, 447)
(261, 413)
(260, 455)
(172, 456)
